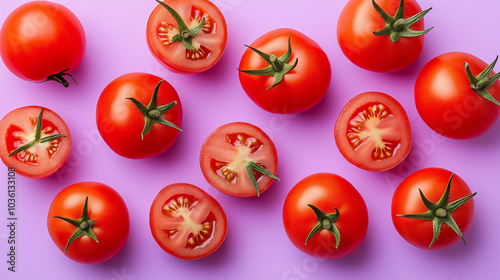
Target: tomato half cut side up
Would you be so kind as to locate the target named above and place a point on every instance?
(187, 36)
(239, 159)
(32, 155)
(373, 132)
(187, 222)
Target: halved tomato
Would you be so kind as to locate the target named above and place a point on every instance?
(180, 40)
(34, 155)
(239, 159)
(373, 132)
(187, 222)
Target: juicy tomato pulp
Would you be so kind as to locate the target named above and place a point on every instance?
(373, 132)
(187, 222)
(17, 128)
(210, 43)
(226, 153)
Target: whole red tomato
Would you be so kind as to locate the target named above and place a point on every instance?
(285, 72)
(373, 132)
(432, 208)
(454, 103)
(88, 222)
(187, 36)
(187, 222)
(325, 216)
(382, 35)
(35, 141)
(138, 115)
(239, 159)
(42, 41)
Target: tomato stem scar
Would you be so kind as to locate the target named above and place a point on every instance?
(327, 222)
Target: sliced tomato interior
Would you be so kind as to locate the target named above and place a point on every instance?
(188, 221)
(244, 146)
(370, 130)
(17, 137)
(192, 16)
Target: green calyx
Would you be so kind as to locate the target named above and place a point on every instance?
(397, 26)
(38, 137)
(84, 225)
(250, 167)
(185, 34)
(278, 66)
(325, 221)
(153, 113)
(482, 82)
(440, 213)
(59, 78)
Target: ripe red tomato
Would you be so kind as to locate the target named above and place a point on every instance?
(373, 132)
(422, 219)
(325, 216)
(387, 52)
(19, 147)
(447, 102)
(88, 222)
(187, 222)
(185, 43)
(42, 41)
(239, 159)
(139, 115)
(301, 82)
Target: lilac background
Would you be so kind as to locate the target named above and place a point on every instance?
(256, 246)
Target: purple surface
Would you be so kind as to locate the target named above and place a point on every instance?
(256, 246)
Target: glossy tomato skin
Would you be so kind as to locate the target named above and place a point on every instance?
(221, 149)
(389, 125)
(41, 38)
(446, 102)
(355, 36)
(18, 128)
(180, 206)
(120, 122)
(406, 200)
(105, 206)
(325, 191)
(301, 88)
(175, 57)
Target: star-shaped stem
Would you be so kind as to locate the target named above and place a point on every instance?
(440, 213)
(153, 113)
(250, 167)
(325, 221)
(84, 225)
(397, 26)
(38, 137)
(482, 82)
(278, 66)
(185, 34)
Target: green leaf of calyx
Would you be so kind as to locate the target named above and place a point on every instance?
(84, 225)
(153, 113)
(38, 136)
(397, 26)
(325, 221)
(59, 78)
(483, 81)
(278, 67)
(440, 213)
(185, 34)
(250, 167)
